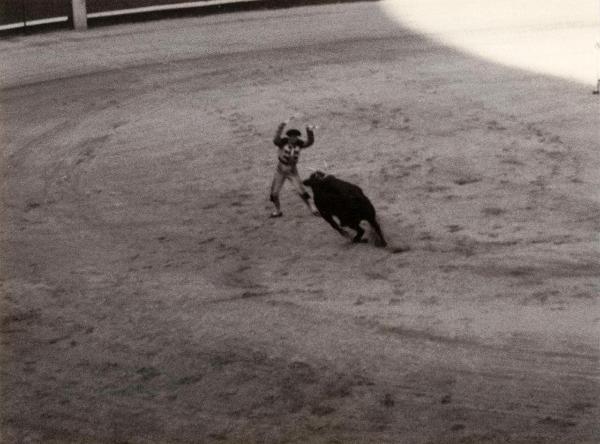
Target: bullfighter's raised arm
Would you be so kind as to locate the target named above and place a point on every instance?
(311, 137)
(277, 139)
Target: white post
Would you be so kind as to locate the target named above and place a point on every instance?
(597, 90)
(79, 15)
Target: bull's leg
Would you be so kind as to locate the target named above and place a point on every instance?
(359, 234)
(334, 224)
(377, 229)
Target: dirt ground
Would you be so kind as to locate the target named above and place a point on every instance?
(147, 297)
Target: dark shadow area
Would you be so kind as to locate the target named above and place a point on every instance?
(212, 10)
(14, 11)
(199, 11)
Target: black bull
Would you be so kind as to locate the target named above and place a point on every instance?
(346, 201)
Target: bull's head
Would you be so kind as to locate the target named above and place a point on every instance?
(315, 178)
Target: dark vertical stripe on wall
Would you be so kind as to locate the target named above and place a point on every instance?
(111, 5)
(41, 9)
(11, 11)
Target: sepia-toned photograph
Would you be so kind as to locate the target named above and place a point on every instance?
(300, 221)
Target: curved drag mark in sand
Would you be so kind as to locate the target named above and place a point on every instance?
(554, 37)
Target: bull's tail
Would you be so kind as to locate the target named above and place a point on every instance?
(377, 228)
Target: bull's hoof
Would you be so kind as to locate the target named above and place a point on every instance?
(378, 242)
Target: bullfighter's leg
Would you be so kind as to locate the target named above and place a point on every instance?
(334, 224)
(297, 182)
(276, 186)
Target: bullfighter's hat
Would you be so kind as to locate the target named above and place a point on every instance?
(293, 133)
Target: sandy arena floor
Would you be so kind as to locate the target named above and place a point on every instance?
(148, 298)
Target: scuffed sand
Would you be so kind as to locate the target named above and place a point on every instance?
(147, 297)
